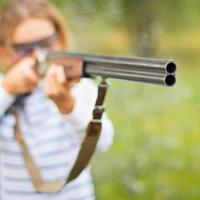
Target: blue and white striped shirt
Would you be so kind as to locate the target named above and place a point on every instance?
(53, 140)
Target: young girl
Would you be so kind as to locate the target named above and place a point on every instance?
(53, 118)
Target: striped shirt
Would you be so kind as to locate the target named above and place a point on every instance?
(53, 140)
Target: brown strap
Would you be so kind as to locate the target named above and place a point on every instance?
(93, 132)
(85, 153)
(87, 149)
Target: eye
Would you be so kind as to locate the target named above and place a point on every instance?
(48, 42)
(21, 49)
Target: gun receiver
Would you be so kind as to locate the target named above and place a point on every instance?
(145, 70)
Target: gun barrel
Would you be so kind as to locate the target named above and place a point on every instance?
(138, 69)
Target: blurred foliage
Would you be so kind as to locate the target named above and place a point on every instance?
(156, 150)
(143, 22)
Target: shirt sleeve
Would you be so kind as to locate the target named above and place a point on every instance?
(6, 99)
(85, 94)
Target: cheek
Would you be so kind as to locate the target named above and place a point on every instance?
(7, 56)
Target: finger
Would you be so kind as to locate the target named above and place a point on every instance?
(31, 75)
(53, 89)
(26, 61)
(28, 84)
(52, 71)
(60, 75)
(57, 74)
(56, 85)
(28, 69)
(50, 80)
(26, 88)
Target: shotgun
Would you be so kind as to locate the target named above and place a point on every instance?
(144, 70)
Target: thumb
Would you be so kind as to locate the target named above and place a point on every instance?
(29, 69)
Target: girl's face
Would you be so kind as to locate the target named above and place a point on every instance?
(35, 33)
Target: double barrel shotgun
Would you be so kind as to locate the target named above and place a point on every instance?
(144, 70)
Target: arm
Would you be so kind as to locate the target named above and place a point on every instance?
(85, 94)
(20, 79)
(6, 99)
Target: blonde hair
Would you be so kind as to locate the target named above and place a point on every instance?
(16, 11)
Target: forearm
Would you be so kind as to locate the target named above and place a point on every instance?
(65, 104)
(6, 99)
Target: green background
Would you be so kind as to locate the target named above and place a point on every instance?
(156, 151)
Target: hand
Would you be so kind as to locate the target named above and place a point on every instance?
(57, 88)
(22, 78)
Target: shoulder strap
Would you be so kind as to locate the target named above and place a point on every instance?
(86, 151)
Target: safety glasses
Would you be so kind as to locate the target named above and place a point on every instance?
(25, 48)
